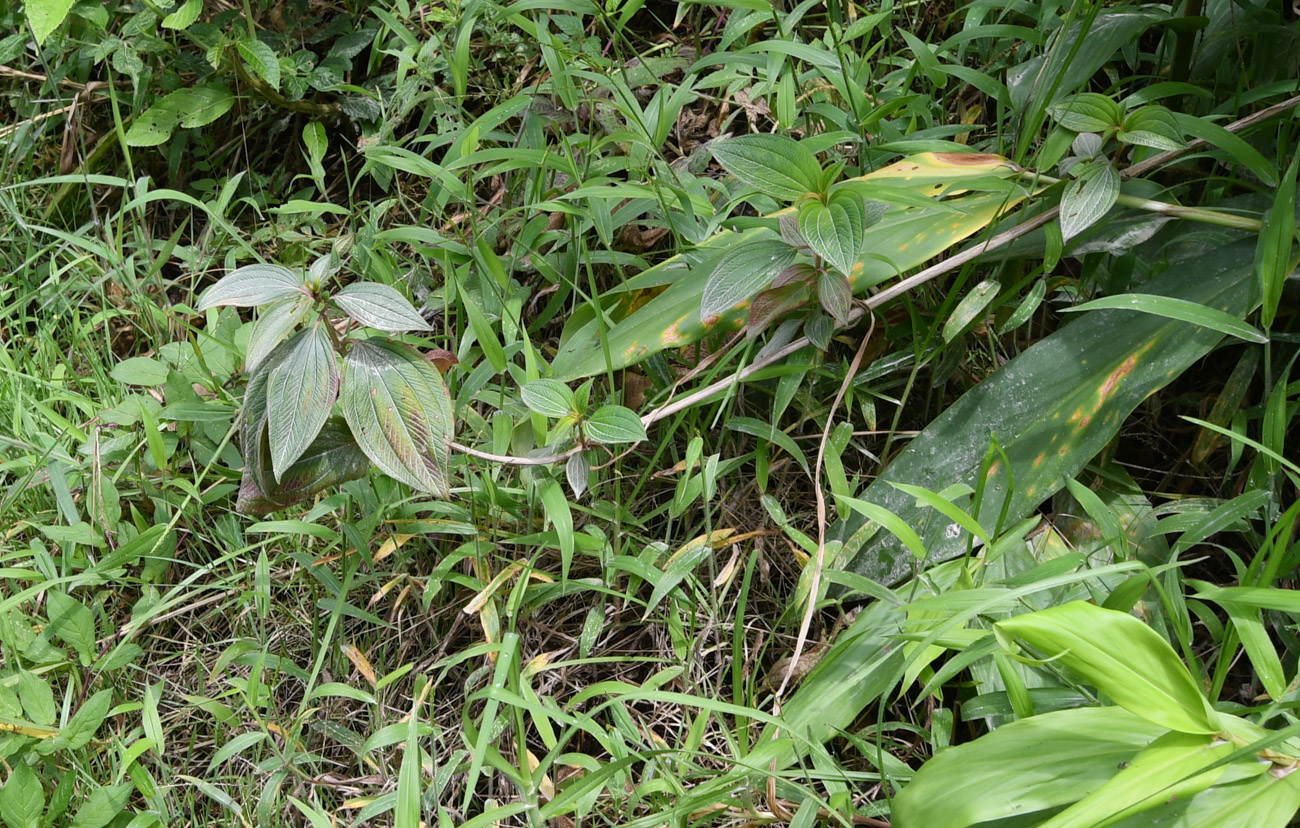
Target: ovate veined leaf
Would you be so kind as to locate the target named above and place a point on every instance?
(613, 424)
(380, 306)
(835, 230)
(1087, 199)
(742, 272)
(300, 391)
(271, 327)
(399, 410)
(251, 285)
(775, 164)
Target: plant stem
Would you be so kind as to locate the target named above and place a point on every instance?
(1166, 209)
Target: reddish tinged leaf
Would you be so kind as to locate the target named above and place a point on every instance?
(400, 413)
(333, 458)
(300, 391)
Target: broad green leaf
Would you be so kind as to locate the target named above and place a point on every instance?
(72, 621)
(200, 105)
(548, 397)
(45, 16)
(613, 424)
(1172, 307)
(1152, 126)
(81, 729)
(1171, 767)
(400, 413)
(742, 272)
(774, 164)
(1087, 112)
(903, 239)
(102, 806)
(270, 328)
(22, 800)
(183, 17)
(1087, 199)
(1025, 767)
(300, 391)
(193, 107)
(261, 59)
(37, 698)
(251, 285)
(380, 306)
(1261, 801)
(970, 307)
(1052, 409)
(140, 371)
(1121, 657)
(333, 458)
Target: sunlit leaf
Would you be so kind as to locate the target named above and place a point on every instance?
(379, 306)
(255, 284)
(1121, 657)
(1025, 767)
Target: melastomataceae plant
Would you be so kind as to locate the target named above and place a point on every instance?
(394, 409)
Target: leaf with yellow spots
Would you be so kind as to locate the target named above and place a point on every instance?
(1052, 409)
(905, 238)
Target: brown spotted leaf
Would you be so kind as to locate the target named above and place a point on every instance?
(1052, 409)
(400, 413)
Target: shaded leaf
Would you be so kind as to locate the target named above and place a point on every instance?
(970, 307)
(333, 458)
(1087, 199)
(1050, 410)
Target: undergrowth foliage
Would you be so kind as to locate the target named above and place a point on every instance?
(648, 413)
